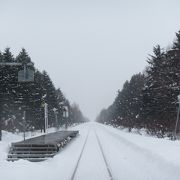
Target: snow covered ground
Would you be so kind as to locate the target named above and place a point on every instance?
(129, 156)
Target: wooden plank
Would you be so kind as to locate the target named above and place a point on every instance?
(30, 155)
(51, 138)
(41, 147)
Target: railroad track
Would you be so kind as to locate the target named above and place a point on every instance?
(81, 154)
(79, 159)
(104, 157)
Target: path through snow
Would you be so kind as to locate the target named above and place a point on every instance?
(129, 156)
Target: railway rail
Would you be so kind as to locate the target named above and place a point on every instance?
(81, 155)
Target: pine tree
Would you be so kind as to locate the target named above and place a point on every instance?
(154, 86)
(121, 106)
(23, 98)
(154, 107)
(60, 101)
(16, 97)
(128, 103)
(176, 43)
(172, 83)
(1, 97)
(50, 96)
(7, 56)
(7, 79)
(106, 116)
(1, 57)
(77, 116)
(23, 57)
(38, 101)
(135, 100)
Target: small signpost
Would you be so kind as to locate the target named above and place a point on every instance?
(25, 75)
(66, 112)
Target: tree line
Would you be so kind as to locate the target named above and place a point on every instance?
(15, 97)
(149, 99)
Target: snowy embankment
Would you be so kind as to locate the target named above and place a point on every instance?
(129, 156)
(163, 147)
(139, 157)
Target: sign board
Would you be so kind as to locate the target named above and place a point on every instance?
(177, 104)
(66, 112)
(27, 76)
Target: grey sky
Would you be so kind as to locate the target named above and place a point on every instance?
(89, 47)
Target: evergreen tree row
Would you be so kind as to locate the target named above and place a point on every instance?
(15, 97)
(149, 99)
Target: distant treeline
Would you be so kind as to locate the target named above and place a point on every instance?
(15, 97)
(149, 99)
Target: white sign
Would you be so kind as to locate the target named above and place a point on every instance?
(66, 112)
(27, 76)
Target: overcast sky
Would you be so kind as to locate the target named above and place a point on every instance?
(88, 47)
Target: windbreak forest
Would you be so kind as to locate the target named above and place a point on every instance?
(149, 99)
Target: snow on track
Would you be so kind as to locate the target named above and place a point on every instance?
(105, 160)
(128, 157)
(129, 161)
(76, 167)
(92, 165)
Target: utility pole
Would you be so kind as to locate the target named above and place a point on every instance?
(45, 106)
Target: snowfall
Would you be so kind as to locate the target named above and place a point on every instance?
(129, 156)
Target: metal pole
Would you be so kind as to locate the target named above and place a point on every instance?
(24, 122)
(175, 130)
(56, 120)
(46, 116)
(66, 117)
(24, 110)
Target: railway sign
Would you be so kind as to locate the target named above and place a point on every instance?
(66, 112)
(26, 75)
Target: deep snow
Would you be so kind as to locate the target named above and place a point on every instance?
(129, 156)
